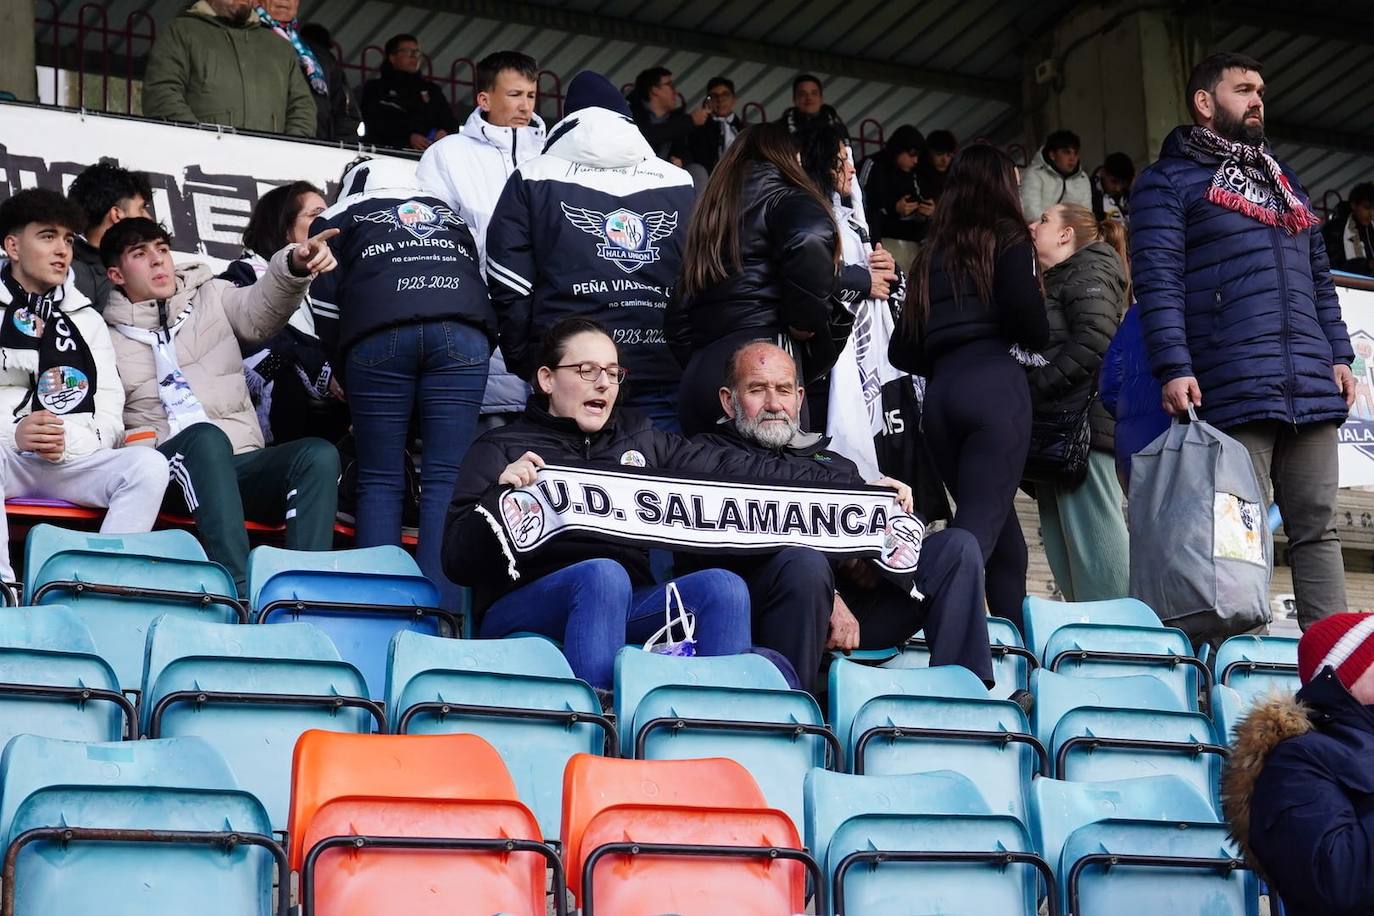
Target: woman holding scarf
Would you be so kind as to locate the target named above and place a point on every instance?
(592, 595)
(290, 378)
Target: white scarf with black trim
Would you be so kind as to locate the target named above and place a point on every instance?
(698, 515)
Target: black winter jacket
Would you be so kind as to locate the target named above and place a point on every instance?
(1298, 791)
(787, 277)
(1085, 299)
(89, 272)
(1016, 314)
(885, 184)
(703, 144)
(336, 114)
(668, 137)
(396, 105)
(473, 557)
(798, 121)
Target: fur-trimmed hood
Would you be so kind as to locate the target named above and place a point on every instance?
(1269, 722)
(1298, 791)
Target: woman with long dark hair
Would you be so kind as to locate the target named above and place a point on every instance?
(290, 377)
(762, 262)
(974, 296)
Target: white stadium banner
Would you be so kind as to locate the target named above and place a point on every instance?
(205, 181)
(1357, 435)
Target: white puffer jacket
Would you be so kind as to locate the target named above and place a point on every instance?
(467, 170)
(85, 433)
(1042, 187)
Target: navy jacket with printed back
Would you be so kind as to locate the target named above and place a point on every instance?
(404, 256)
(1247, 309)
(595, 228)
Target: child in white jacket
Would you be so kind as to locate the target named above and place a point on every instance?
(59, 385)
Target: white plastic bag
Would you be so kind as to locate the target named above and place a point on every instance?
(674, 613)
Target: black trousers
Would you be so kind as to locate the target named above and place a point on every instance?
(977, 420)
(296, 482)
(792, 593)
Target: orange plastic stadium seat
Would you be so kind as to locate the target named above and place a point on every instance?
(703, 803)
(411, 789)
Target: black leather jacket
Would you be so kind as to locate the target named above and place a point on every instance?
(788, 277)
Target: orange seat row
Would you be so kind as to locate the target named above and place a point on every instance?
(431, 824)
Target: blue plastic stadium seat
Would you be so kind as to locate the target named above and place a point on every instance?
(1094, 729)
(1011, 661)
(894, 712)
(681, 708)
(1228, 708)
(1078, 826)
(119, 584)
(852, 820)
(1255, 666)
(1044, 616)
(519, 694)
(360, 597)
(178, 784)
(1118, 650)
(250, 692)
(54, 683)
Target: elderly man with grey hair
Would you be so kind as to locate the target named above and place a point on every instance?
(803, 601)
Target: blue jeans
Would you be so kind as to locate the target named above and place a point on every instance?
(443, 366)
(593, 610)
(658, 404)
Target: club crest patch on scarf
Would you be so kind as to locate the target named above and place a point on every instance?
(710, 516)
(1250, 181)
(27, 323)
(61, 389)
(627, 237)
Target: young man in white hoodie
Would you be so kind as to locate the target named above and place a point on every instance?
(59, 387)
(468, 170)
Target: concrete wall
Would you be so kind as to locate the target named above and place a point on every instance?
(1118, 80)
(17, 73)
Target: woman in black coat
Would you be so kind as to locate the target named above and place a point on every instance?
(1086, 294)
(974, 295)
(762, 263)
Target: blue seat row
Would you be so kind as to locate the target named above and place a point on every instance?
(930, 842)
(119, 584)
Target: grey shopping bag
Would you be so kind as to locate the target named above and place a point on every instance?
(1201, 550)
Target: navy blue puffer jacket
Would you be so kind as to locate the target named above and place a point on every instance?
(1247, 309)
(1298, 790)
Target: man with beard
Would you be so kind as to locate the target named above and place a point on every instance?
(805, 602)
(1239, 312)
(216, 64)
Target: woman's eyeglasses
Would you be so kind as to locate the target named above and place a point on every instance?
(590, 372)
